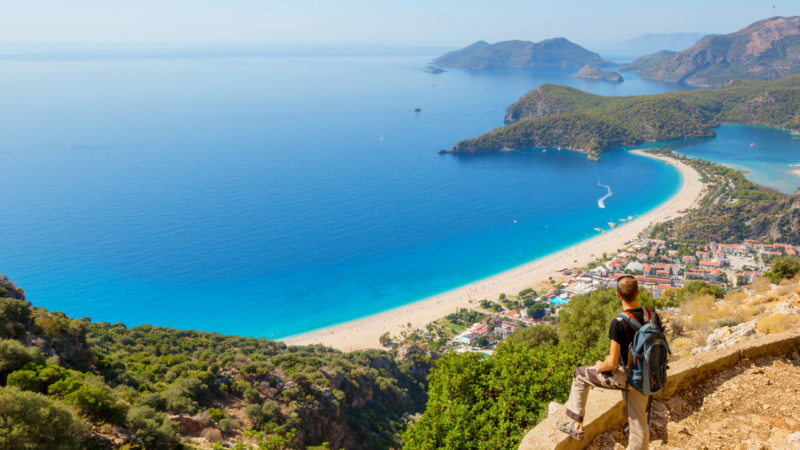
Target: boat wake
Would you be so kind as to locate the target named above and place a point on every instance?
(600, 202)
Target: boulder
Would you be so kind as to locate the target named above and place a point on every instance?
(188, 425)
(792, 441)
(552, 408)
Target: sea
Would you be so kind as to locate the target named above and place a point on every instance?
(273, 193)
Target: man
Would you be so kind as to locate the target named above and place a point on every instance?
(609, 374)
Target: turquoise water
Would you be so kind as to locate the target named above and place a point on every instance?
(776, 152)
(255, 196)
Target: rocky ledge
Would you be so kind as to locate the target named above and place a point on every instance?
(589, 71)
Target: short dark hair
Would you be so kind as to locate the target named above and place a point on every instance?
(628, 288)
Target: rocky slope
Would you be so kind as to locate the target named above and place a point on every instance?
(647, 61)
(558, 52)
(765, 50)
(589, 71)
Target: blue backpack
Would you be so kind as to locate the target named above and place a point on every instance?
(647, 358)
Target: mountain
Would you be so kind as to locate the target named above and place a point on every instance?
(559, 116)
(593, 72)
(669, 41)
(647, 61)
(558, 52)
(765, 50)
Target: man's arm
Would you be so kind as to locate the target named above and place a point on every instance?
(612, 361)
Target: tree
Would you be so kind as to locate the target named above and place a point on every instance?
(535, 336)
(25, 380)
(502, 296)
(152, 429)
(13, 314)
(537, 311)
(482, 341)
(33, 421)
(585, 320)
(786, 266)
(14, 355)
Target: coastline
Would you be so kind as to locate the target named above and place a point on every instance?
(364, 333)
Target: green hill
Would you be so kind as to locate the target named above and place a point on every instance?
(559, 116)
(647, 61)
(558, 52)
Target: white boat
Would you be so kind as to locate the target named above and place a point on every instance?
(612, 224)
(622, 220)
(630, 217)
(544, 151)
(598, 229)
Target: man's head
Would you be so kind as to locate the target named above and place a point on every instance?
(627, 289)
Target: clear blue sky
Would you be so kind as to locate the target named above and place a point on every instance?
(380, 22)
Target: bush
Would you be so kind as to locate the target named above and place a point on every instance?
(13, 314)
(14, 355)
(774, 323)
(535, 336)
(786, 267)
(585, 320)
(153, 430)
(25, 380)
(477, 403)
(33, 421)
(97, 404)
(225, 425)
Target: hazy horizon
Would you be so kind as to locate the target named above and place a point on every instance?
(442, 24)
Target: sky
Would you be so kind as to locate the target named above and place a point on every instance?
(454, 23)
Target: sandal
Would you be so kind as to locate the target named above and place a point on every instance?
(567, 428)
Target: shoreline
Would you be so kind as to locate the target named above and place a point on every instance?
(363, 333)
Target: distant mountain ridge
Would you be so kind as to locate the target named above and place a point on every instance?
(667, 41)
(764, 50)
(557, 52)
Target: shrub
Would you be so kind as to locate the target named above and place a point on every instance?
(97, 404)
(33, 421)
(153, 430)
(534, 336)
(225, 425)
(786, 267)
(14, 355)
(216, 414)
(585, 319)
(761, 284)
(25, 380)
(774, 323)
(489, 404)
(13, 314)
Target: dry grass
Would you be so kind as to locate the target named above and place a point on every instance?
(774, 323)
(761, 285)
(681, 347)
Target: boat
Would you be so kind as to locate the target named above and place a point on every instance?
(612, 224)
(417, 110)
(630, 217)
(622, 220)
(544, 151)
(598, 229)
(381, 138)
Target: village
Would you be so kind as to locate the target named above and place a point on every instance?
(658, 265)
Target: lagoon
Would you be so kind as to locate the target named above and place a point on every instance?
(274, 195)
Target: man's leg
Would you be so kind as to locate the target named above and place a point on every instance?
(583, 379)
(638, 434)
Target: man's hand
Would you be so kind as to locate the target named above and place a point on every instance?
(599, 366)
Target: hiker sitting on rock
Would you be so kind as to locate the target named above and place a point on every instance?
(636, 365)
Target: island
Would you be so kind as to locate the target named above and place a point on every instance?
(589, 71)
(432, 69)
(647, 61)
(554, 116)
(558, 52)
(764, 50)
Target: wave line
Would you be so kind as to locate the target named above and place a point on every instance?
(600, 202)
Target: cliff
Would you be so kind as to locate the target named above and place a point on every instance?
(559, 116)
(589, 71)
(647, 61)
(558, 52)
(765, 50)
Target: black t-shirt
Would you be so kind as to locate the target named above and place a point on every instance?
(622, 332)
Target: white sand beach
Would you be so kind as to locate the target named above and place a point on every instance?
(364, 333)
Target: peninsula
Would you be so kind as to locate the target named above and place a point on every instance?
(647, 61)
(560, 116)
(764, 50)
(589, 71)
(558, 52)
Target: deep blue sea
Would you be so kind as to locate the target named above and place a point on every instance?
(768, 154)
(254, 195)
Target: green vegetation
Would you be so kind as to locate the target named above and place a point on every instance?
(535, 336)
(647, 61)
(594, 124)
(785, 267)
(110, 375)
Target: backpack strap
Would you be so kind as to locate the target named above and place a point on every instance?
(631, 319)
(647, 314)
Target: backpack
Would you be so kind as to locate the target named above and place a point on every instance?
(647, 358)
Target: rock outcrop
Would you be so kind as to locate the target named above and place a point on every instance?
(647, 61)
(589, 71)
(765, 50)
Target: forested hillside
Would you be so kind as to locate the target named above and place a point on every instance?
(123, 383)
(560, 116)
